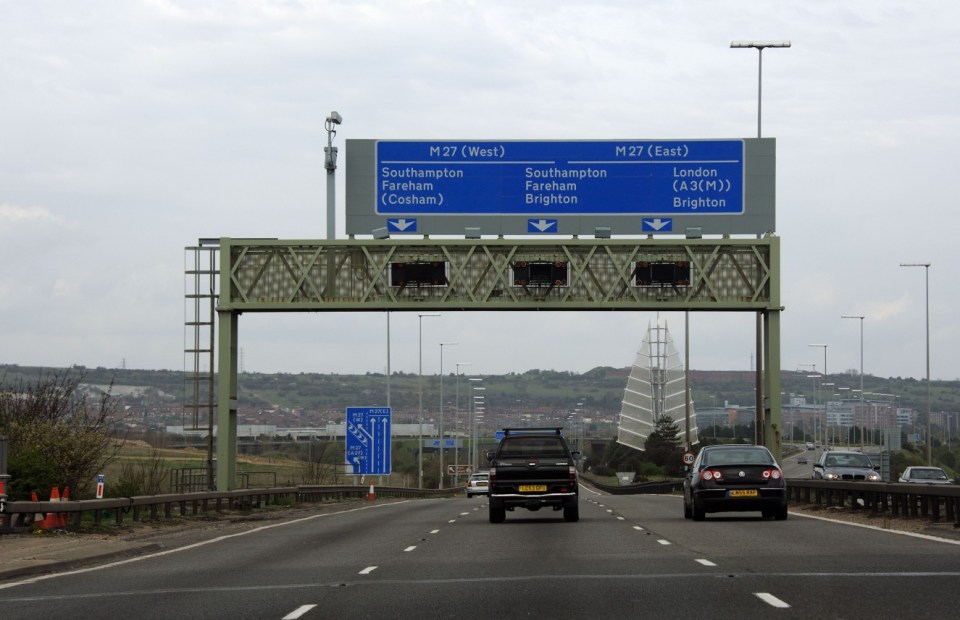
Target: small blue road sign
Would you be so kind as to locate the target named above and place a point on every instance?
(368, 440)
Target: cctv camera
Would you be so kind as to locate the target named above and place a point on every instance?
(335, 118)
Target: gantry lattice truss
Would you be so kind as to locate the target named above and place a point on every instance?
(355, 275)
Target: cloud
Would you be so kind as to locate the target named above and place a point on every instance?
(13, 214)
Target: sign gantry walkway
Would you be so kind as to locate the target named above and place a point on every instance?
(500, 274)
(648, 274)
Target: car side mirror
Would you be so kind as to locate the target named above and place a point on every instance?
(576, 455)
(490, 455)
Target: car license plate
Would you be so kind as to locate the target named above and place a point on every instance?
(533, 488)
(743, 493)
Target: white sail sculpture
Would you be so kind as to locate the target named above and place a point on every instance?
(655, 388)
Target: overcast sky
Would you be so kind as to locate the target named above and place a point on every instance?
(130, 129)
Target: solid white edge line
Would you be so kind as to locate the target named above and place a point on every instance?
(771, 600)
(203, 543)
(879, 529)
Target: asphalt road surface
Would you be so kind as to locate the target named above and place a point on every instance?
(628, 556)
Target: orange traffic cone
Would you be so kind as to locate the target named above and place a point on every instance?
(52, 519)
(371, 494)
(37, 517)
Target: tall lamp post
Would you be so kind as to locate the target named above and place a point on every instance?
(456, 429)
(822, 383)
(859, 316)
(473, 413)
(926, 270)
(479, 406)
(420, 418)
(442, 442)
(759, 46)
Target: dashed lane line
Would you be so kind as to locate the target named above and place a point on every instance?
(771, 600)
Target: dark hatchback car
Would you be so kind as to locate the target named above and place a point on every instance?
(734, 478)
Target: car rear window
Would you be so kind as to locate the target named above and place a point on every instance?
(532, 446)
(745, 456)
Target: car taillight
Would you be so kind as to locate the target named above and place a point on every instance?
(493, 475)
(572, 474)
(710, 474)
(771, 474)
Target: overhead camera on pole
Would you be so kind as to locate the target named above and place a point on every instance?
(330, 163)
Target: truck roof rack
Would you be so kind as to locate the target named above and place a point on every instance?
(538, 430)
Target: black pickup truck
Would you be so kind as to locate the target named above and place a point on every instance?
(533, 468)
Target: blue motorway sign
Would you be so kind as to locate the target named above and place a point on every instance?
(556, 178)
(368, 440)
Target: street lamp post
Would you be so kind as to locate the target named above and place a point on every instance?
(816, 408)
(859, 316)
(926, 269)
(759, 46)
(420, 418)
(822, 383)
(456, 429)
(473, 412)
(442, 344)
(478, 408)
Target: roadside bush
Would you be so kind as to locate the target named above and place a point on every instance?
(30, 471)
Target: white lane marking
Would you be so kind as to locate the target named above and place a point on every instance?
(706, 562)
(452, 521)
(463, 514)
(664, 542)
(203, 543)
(434, 531)
(638, 528)
(609, 510)
(589, 490)
(620, 518)
(368, 570)
(771, 600)
(299, 611)
(410, 548)
(875, 528)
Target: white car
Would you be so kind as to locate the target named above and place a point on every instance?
(478, 483)
(925, 475)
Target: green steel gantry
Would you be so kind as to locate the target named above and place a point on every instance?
(347, 275)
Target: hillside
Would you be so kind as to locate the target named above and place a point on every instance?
(600, 389)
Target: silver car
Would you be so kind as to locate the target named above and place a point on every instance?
(845, 465)
(925, 475)
(478, 483)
